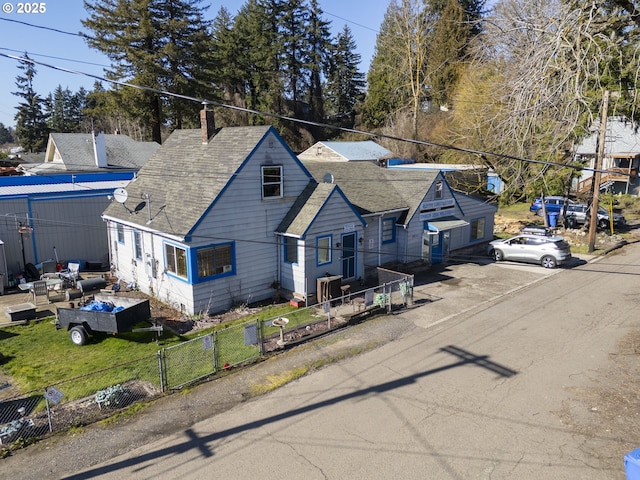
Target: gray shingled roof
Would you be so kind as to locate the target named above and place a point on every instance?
(305, 209)
(76, 150)
(186, 176)
(374, 189)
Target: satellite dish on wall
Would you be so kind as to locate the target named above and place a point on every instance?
(328, 178)
(120, 195)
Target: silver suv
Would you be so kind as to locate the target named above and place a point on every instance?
(548, 251)
(579, 214)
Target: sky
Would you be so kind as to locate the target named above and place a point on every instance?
(44, 35)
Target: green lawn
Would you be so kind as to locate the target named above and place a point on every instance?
(37, 355)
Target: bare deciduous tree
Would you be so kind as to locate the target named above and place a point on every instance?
(548, 63)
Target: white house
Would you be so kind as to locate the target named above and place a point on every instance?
(621, 162)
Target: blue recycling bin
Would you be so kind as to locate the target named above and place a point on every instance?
(632, 464)
(553, 219)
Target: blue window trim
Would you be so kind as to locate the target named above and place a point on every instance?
(393, 230)
(284, 246)
(120, 226)
(471, 229)
(164, 257)
(193, 263)
(330, 237)
(137, 233)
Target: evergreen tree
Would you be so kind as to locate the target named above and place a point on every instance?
(345, 83)
(31, 128)
(225, 68)
(292, 21)
(448, 47)
(64, 110)
(5, 135)
(157, 44)
(317, 61)
(256, 30)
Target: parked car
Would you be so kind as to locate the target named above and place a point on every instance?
(548, 251)
(579, 214)
(538, 230)
(552, 204)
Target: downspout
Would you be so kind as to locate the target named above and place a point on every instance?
(379, 240)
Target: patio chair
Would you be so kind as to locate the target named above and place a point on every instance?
(70, 275)
(39, 290)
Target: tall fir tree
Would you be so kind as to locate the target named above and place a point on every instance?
(293, 18)
(5, 135)
(345, 84)
(256, 29)
(383, 89)
(317, 61)
(157, 44)
(31, 126)
(450, 39)
(64, 110)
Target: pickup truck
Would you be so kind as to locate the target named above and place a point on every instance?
(579, 214)
(124, 314)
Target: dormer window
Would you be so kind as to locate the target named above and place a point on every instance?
(272, 181)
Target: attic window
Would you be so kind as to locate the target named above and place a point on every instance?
(272, 182)
(439, 189)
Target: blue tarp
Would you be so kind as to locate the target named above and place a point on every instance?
(102, 307)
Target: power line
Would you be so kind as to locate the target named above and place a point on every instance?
(479, 153)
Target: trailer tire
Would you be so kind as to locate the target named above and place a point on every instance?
(78, 335)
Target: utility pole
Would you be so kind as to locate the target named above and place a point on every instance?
(593, 221)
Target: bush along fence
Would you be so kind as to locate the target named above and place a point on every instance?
(95, 396)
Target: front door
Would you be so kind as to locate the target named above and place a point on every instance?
(348, 256)
(436, 248)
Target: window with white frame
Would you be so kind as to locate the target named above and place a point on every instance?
(137, 244)
(291, 249)
(388, 230)
(175, 260)
(272, 181)
(477, 229)
(120, 232)
(215, 260)
(439, 189)
(323, 246)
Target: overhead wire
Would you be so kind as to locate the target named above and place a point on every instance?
(204, 101)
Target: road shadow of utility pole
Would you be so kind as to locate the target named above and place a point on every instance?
(202, 443)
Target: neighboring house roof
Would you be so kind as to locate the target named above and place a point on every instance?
(346, 152)
(75, 152)
(622, 139)
(372, 189)
(185, 177)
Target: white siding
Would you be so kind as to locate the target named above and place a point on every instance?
(335, 217)
(239, 215)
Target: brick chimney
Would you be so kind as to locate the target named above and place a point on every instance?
(207, 124)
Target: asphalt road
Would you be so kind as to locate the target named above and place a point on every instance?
(473, 387)
(473, 395)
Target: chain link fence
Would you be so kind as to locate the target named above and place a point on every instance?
(86, 399)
